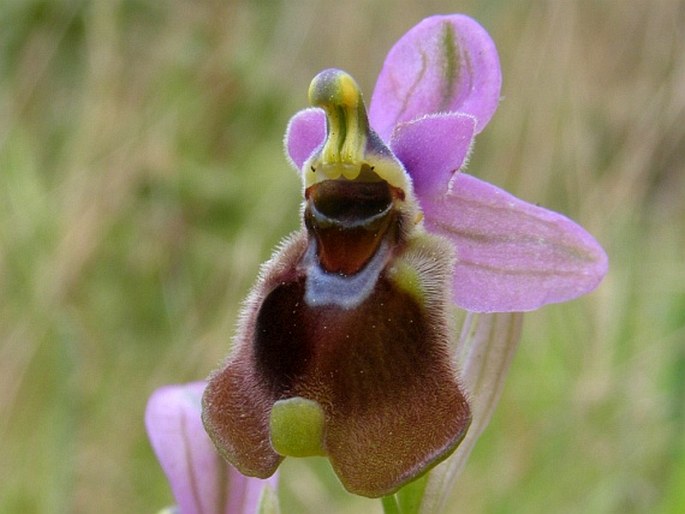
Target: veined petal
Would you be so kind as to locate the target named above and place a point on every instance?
(512, 255)
(305, 133)
(432, 148)
(445, 63)
(187, 456)
(486, 348)
(200, 479)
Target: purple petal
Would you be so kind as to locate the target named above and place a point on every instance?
(433, 148)
(445, 63)
(200, 479)
(511, 255)
(305, 133)
(486, 346)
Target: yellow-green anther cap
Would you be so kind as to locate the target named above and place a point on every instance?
(350, 147)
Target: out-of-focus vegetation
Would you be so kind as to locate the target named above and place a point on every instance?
(142, 183)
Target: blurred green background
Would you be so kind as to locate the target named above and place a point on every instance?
(142, 182)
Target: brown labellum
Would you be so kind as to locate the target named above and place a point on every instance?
(346, 332)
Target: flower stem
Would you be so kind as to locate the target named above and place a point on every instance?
(390, 505)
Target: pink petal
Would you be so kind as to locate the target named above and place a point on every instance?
(200, 479)
(511, 255)
(305, 133)
(432, 148)
(445, 63)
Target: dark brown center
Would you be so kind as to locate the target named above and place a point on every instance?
(349, 219)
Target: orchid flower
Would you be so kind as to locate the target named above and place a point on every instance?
(202, 482)
(344, 346)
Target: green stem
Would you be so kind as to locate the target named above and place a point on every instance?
(390, 505)
(410, 497)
